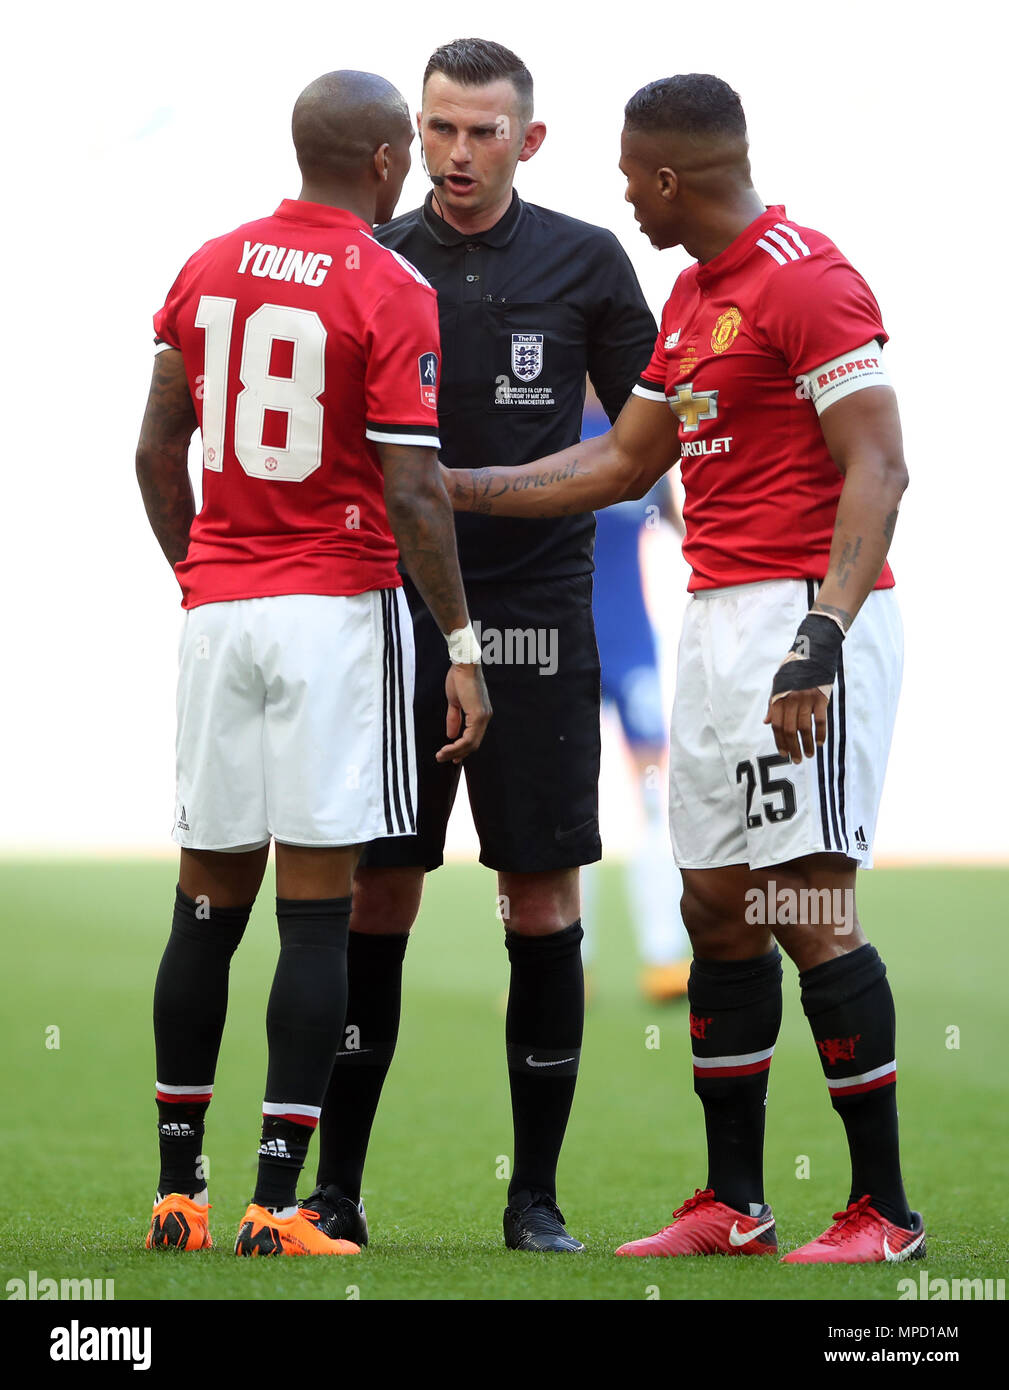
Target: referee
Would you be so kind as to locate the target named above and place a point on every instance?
(529, 301)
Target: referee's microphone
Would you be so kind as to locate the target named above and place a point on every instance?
(436, 179)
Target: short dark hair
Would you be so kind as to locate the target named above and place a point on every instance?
(693, 103)
(476, 62)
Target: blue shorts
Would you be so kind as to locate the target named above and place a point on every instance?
(627, 654)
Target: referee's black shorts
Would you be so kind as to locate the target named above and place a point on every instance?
(533, 782)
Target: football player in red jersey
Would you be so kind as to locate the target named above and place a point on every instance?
(767, 384)
(307, 355)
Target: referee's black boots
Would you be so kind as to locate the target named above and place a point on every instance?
(532, 1221)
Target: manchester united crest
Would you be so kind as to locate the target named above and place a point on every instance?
(726, 328)
(527, 355)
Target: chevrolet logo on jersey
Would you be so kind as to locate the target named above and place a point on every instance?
(691, 408)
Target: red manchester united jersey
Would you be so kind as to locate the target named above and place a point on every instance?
(304, 342)
(737, 334)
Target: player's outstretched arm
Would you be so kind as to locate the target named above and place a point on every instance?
(162, 455)
(421, 520)
(862, 432)
(642, 444)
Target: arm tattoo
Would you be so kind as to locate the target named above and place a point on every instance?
(489, 484)
(424, 527)
(546, 477)
(890, 525)
(849, 557)
(486, 485)
(162, 456)
(170, 510)
(842, 615)
(425, 535)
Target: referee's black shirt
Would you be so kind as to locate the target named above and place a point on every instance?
(526, 309)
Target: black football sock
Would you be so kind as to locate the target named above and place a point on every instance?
(735, 1014)
(543, 1032)
(850, 1010)
(304, 1020)
(190, 1006)
(374, 986)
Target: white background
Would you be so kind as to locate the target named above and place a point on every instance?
(134, 133)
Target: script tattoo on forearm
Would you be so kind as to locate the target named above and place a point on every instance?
(489, 484)
(890, 525)
(846, 564)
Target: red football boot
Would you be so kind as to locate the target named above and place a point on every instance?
(703, 1226)
(861, 1236)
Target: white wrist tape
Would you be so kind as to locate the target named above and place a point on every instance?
(463, 647)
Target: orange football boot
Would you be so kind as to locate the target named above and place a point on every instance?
(661, 984)
(261, 1233)
(178, 1223)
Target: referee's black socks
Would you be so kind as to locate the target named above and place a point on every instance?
(374, 987)
(190, 1006)
(850, 1010)
(304, 1021)
(543, 1032)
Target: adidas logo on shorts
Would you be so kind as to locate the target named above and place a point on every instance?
(860, 840)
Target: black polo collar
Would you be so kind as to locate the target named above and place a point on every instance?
(499, 235)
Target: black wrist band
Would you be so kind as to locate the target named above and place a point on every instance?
(817, 647)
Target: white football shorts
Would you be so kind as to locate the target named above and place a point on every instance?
(295, 719)
(732, 798)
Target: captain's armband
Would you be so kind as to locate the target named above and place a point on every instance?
(843, 375)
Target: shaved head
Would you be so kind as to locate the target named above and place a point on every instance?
(684, 153)
(692, 123)
(341, 119)
(693, 103)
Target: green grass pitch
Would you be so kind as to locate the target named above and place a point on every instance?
(79, 1144)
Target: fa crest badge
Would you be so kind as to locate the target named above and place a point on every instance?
(427, 363)
(527, 355)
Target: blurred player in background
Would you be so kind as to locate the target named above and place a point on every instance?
(528, 301)
(631, 684)
(307, 355)
(767, 382)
